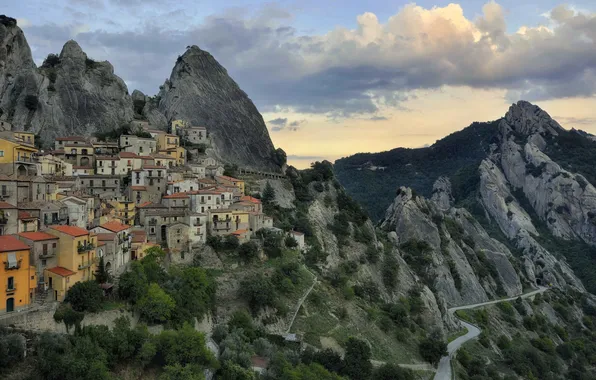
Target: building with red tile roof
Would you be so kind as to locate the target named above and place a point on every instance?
(9, 243)
(61, 271)
(70, 230)
(38, 236)
(115, 226)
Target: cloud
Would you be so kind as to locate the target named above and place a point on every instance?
(575, 120)
(280, 124)
(378, 118)
(353, 72)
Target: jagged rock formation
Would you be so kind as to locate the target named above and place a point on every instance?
(70, 94)
(450, 251)
(200, 91)
(442, 193)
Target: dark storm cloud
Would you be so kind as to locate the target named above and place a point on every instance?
(355, 72)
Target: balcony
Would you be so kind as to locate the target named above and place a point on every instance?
(153, 222)
(82, 248)
(196, 223)
(11, 289)
(47, 255)
(15, 266)
(6, 193)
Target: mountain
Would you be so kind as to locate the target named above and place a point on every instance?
(201, 91)
(523, 177)
(70, 93)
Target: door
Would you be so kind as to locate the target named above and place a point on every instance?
(50, 282)
(9, 304)
(163, 233)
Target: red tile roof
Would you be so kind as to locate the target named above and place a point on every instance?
(239, 232)
(248, 198)
(71, 230)
(115, 226)
(26, 215)
(61, 271)
(6, 205)
(144, 204)
(139, 188)
(37, 236)
(139, 236)
(107, 158)
(10, 243)
(176, 195)
(106, 237)
(228, 178)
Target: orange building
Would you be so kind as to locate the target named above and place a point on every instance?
(18, 279)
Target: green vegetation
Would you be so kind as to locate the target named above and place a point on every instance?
(114, 134)
(433, 348)
(85, 296)
(417, 168)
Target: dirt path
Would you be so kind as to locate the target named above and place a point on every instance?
(304, 297)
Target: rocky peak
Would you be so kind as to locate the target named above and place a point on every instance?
(200, 91)
(526, 118)
(72, 50)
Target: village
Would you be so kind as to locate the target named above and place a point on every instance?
(111, 198)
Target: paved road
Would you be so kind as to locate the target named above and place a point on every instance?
(444, 369)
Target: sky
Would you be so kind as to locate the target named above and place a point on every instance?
(333, 78)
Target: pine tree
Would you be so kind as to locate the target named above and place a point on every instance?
(268, 193)
(101, 274)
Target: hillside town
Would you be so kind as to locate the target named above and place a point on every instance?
(111, 197)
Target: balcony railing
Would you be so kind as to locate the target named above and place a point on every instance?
(47, 255)
(88, 264)
(82, 248)
(11, 289)
(8, 267)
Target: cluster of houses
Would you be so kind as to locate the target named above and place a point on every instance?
(62, 210)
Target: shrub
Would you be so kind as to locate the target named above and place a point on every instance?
(357, 363)
(259, 292)
(372, 254)
(290, 242)
(248, 251)
(85, 296)
(393, 372)
(318, 186)
(389, 272)
(432, 349)
(70, 317)
(12, 349)
(231, 242)
(31, 102)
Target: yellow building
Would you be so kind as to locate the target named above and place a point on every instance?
(178, 153)
(76, 259)
(16, 155)
(225, 221)
(165, 160)
(167, 141)
(17, 277)
(125, 211)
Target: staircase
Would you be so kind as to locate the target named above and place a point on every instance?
(42, 295)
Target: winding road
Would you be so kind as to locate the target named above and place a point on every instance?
(444, 369)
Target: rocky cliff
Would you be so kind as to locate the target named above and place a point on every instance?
(200, 91)
(70, 93)
(523, 179)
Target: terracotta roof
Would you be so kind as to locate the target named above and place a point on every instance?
(37, 236)
(106, 237)
(139, 188)
(115, 226)
(228, 178)
(61, 271)
(176, 195)
(239, 232)
(101, 243)
(6, 205)
(144, 204)
(26, 215)
(107, 158)
(248, 198)
(207, 180)
(10, 243)
(71, 230)
(139, 236)
(164, 156)
(296, 233)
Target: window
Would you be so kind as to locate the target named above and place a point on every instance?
(116, 182)
(152, 231)
(138, 181)
(3, 189)
(140, 149)
(45, 249)
(10, 284)
(53, 245)
(1, 153)
(103, 183)
(44, 262)
(91, 183)
(100, 163)
(178, 241)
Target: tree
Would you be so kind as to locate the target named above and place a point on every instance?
(156, 305)
(85, 296)
(185, 346)
(248, 251)
(231, 242)
(393, 372)
(133, 284)
(259, 292)
(12, 349)
(101, 274)
(233, 371)
(329, 359)
(290, 242)
(357, 363)
(268, 195)
(432, 348)
(182, 372)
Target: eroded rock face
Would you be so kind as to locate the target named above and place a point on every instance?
(457, 249)
(71, 95)
(442, 195)
(201, 91)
